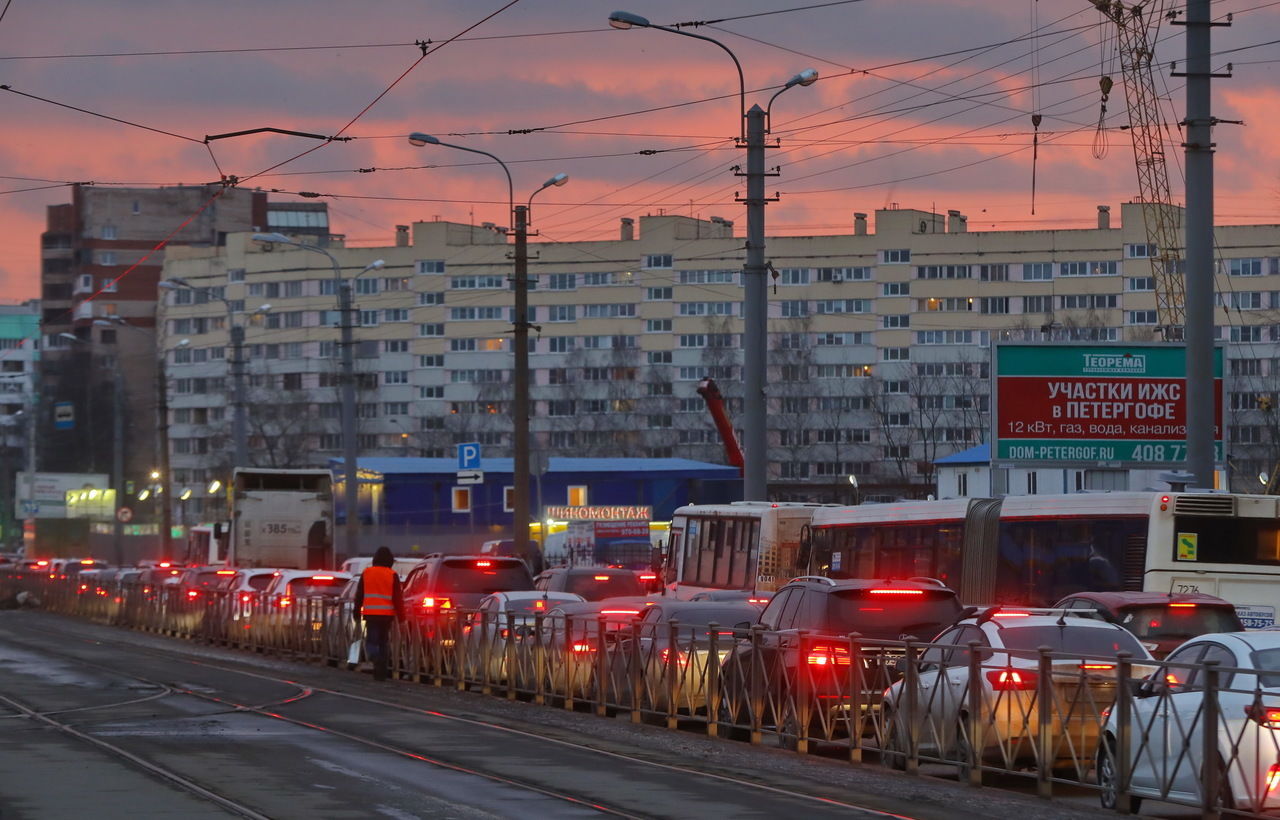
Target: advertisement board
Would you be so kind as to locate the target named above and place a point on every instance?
(1121, 405)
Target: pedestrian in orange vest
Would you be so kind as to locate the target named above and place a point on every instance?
(380, 601)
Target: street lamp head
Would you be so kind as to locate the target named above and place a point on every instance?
(214, 486)
(377, 264)
(71, 337)
(418, 138)
(184, 343)
(271, 237)
(186, 494)
(807, 77)
(262, 309)
(557, 180)
(624, 20)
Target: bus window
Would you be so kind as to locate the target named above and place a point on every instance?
(1041, 561)
(1228, 540)
(726, 551)
(674, 550)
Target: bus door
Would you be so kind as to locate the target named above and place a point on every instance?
(980, 551)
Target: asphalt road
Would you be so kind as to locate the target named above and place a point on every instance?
(112, 723)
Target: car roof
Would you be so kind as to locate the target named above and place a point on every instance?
(294, 574)
(839, 584)
(1254, 641)
(1118, 600)
(523, 594)
(1013, 619)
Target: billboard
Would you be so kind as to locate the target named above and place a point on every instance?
(1121, 405)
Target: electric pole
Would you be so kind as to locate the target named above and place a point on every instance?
(755, 320)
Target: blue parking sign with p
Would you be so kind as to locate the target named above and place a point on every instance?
(469, 456)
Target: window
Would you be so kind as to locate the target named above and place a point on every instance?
(658, 357)
(658, 294)
(995, 304)
(577, 495)
(395, 377)
(1247, 300)
(431, 298)
(944, 337)
(844, 274)
(490, 282)
(1139, 251)
(562, 281)
(431, 329)
(609, 311)
(942, 272)
(706, 277)
(705, 309)
(1033, 482)
(948, 305)
(395, 346)
(1037, 304)
(895, 289)
(899, 256)
(657, 260)
(1244, 267)
(993, 273)
(106, 258)
(1139, 284)
(657, 326)
(563, 313)
(1140, 317)
(366, 287)
(795, 308)
(1037, 271)
(843, 338)
(368, 318)
(832, 306)
(424, 266)
(461, 500)
(395, 315)
(793, 276)
(896, 320)
(435, 391)
(895, 354)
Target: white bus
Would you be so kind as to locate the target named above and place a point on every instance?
(748, 545)
(1033, 550)
(282, 518)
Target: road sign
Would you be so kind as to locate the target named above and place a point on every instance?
(470, 477)
(469, 456)
(30, 508)
(64, 415)
(124, 515)
(1068, 404)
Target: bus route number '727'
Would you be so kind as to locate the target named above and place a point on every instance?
(281, 528)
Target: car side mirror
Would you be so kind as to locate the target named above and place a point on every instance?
(745, 626)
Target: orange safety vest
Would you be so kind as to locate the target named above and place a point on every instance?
(379, 587)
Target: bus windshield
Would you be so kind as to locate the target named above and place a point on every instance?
(1227, 540)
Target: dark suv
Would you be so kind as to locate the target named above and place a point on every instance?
(592, 583)
(804, 651)
(441, 583)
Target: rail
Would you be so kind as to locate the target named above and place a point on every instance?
(1199, 735)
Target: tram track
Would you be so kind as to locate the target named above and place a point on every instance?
(272, 711)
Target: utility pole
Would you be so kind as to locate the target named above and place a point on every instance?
(755, 320)
(166, 481)
(239, 421)
(350, 451)
(117, 460)
(520, 407)
(1201, 410)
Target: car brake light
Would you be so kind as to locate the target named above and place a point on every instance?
(1182, 606)
(175, 572)
(911, 592)
(164, 564)
(1273, 778)
(619, 612)
(437, 603)
(244, 599)
(83, 587)
(1012, 680)
(226, 572)
(484, 563)
(1012, 615)
(284, 602)
(648, 576)
(87, 562)
(602, 577)
(1098, 667)
(825, 655)
(42, 563)
(583, 647)
(757, 600)
(192, 593)
(322, 578)
(678, 658)
(539, 604)
(1265, 715)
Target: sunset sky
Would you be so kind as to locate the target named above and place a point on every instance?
(925, 103)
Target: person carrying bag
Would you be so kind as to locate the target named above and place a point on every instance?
(380, 601)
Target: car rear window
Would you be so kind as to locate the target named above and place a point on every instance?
(726, 616)
(879, 614)
(1179, 622)
(1074, 639)
(260, 581)
(598, 586)
(206, 579)
(533, 606)
(1268, 660)
(484, 575)
(328, 586)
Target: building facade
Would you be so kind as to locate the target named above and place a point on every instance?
(879, 341)
(97, 326)
(19, 360)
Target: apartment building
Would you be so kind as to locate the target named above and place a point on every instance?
(95, 319)
(19, 358)
(879, 341)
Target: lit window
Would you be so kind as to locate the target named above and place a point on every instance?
(461, 499)
(578, 496)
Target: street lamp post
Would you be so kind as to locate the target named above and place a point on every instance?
(755, 304)
(117, 451)
(346, 319)
(520, 351)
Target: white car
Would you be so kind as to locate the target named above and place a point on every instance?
(288, 585)
(1082, 686)
(1166, 737)
(487, 632)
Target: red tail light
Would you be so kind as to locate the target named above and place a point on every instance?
(1012, 680)
(283, 602)
(192, 593)
(648, 576)
(484, 563)
(1266, 716)
(619, 612)
(539, 604)
(84, 587)
(602, 577)
(1012, 615)
(1182, 606)
(244, 599)
(164, 564)
(820, 655)
(757, 600)
(903, 592)
(581, 648)
(437, 603)
(1273, 778)
(226, 572)
(1097, 667)
(322, 578)
(42, 563)
(678, 658)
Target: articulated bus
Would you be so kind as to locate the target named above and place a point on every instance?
(751, 545)
(1033, 550)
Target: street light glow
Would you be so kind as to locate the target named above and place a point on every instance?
(185, 494)
(214, 486)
